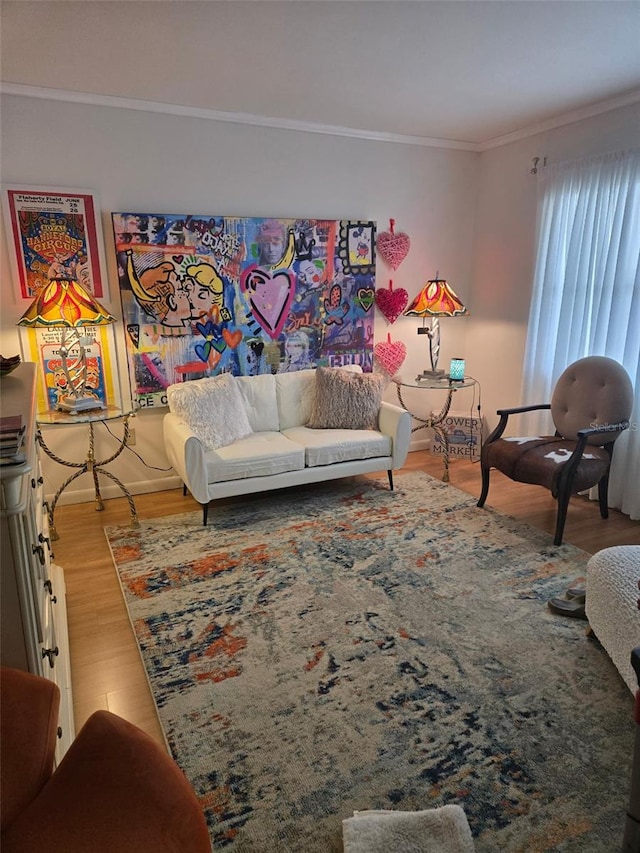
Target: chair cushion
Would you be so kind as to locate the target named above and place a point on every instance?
(539, 459)
(324, 447)
(212, 408)
(259, 455)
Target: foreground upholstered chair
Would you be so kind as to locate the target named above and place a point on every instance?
(590, 406)
(114, 790)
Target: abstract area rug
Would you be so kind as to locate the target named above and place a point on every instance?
(344, 647)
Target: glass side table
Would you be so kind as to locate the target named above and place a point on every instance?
(434, 421)
(91, 465)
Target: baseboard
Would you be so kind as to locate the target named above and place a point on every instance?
(109, 490)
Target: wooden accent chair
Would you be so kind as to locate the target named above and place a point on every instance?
(115, 789)
(590, 406)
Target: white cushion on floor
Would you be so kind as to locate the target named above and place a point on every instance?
(259, 455)
(326, 446)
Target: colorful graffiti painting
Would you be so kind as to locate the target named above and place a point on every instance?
(203, 295)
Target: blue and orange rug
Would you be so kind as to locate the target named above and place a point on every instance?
(318, 651)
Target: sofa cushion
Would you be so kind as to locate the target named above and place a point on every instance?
(345, 400)
(259, 399)
(212, 408)
(324, 447)
(295, 397)
(259, 455)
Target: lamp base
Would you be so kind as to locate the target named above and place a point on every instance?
(74, 405)
(431, 374)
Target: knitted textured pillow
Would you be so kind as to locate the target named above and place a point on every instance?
(345, 400)
(212, 408)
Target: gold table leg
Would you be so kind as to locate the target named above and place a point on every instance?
(95, 468)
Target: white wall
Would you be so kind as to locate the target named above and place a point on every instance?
(147, 162)
(470, 216)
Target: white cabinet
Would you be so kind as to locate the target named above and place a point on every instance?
(33, 625)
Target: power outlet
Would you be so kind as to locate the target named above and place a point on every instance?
(131, 440)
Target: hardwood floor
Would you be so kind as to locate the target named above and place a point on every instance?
(106, 669)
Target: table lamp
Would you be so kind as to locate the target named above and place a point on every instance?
(65, 304)
(435, 300)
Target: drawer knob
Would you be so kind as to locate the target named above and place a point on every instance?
(51, 654)
(39, 550)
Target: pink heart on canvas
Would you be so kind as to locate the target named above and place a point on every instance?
(393, 248)
(270, 294)
(391, 355)
(392, 302)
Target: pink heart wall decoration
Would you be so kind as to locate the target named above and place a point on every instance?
(393, 248)
(392, 302)
(390, 355)
(270, 294)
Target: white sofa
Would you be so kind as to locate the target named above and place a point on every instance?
(280, 449)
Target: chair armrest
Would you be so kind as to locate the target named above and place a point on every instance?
(28, 728)
(504, 417)
(396, 423)
(605, 429)
(186, 453)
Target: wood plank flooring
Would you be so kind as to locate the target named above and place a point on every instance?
(106, 669)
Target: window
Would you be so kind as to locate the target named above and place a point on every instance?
(586, 293)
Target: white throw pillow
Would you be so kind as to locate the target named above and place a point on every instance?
(212, 408)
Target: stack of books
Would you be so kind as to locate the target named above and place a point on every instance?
(11, 438)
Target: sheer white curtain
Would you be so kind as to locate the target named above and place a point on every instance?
(586, 293)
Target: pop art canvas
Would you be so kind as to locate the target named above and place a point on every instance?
(205, 295)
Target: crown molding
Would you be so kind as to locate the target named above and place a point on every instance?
(233, 118)
(91, 99)
(561, 120)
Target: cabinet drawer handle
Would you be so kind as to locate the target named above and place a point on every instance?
(51, 654)
(37, 482)
(39, 550)
(59, 732)
(42, 538)
(48, 587)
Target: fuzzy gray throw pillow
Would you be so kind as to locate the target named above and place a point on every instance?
(345, 400)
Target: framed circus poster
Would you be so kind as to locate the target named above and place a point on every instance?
(202, 295)
(48, 225)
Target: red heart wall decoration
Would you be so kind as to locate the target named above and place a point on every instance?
(393, 248)
(392, 302)
(390, 355)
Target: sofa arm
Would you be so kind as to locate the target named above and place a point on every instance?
(28, 725)
(186, 453)
(396, 423)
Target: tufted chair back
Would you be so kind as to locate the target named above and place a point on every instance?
(593, 391)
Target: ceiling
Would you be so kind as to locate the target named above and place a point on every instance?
(468, 72)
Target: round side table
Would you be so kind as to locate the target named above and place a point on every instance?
(434, 421)
(91, 465)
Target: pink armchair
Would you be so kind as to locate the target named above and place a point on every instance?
(114, 790)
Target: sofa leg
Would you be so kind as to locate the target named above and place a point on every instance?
(390, 476)
(205, 513)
